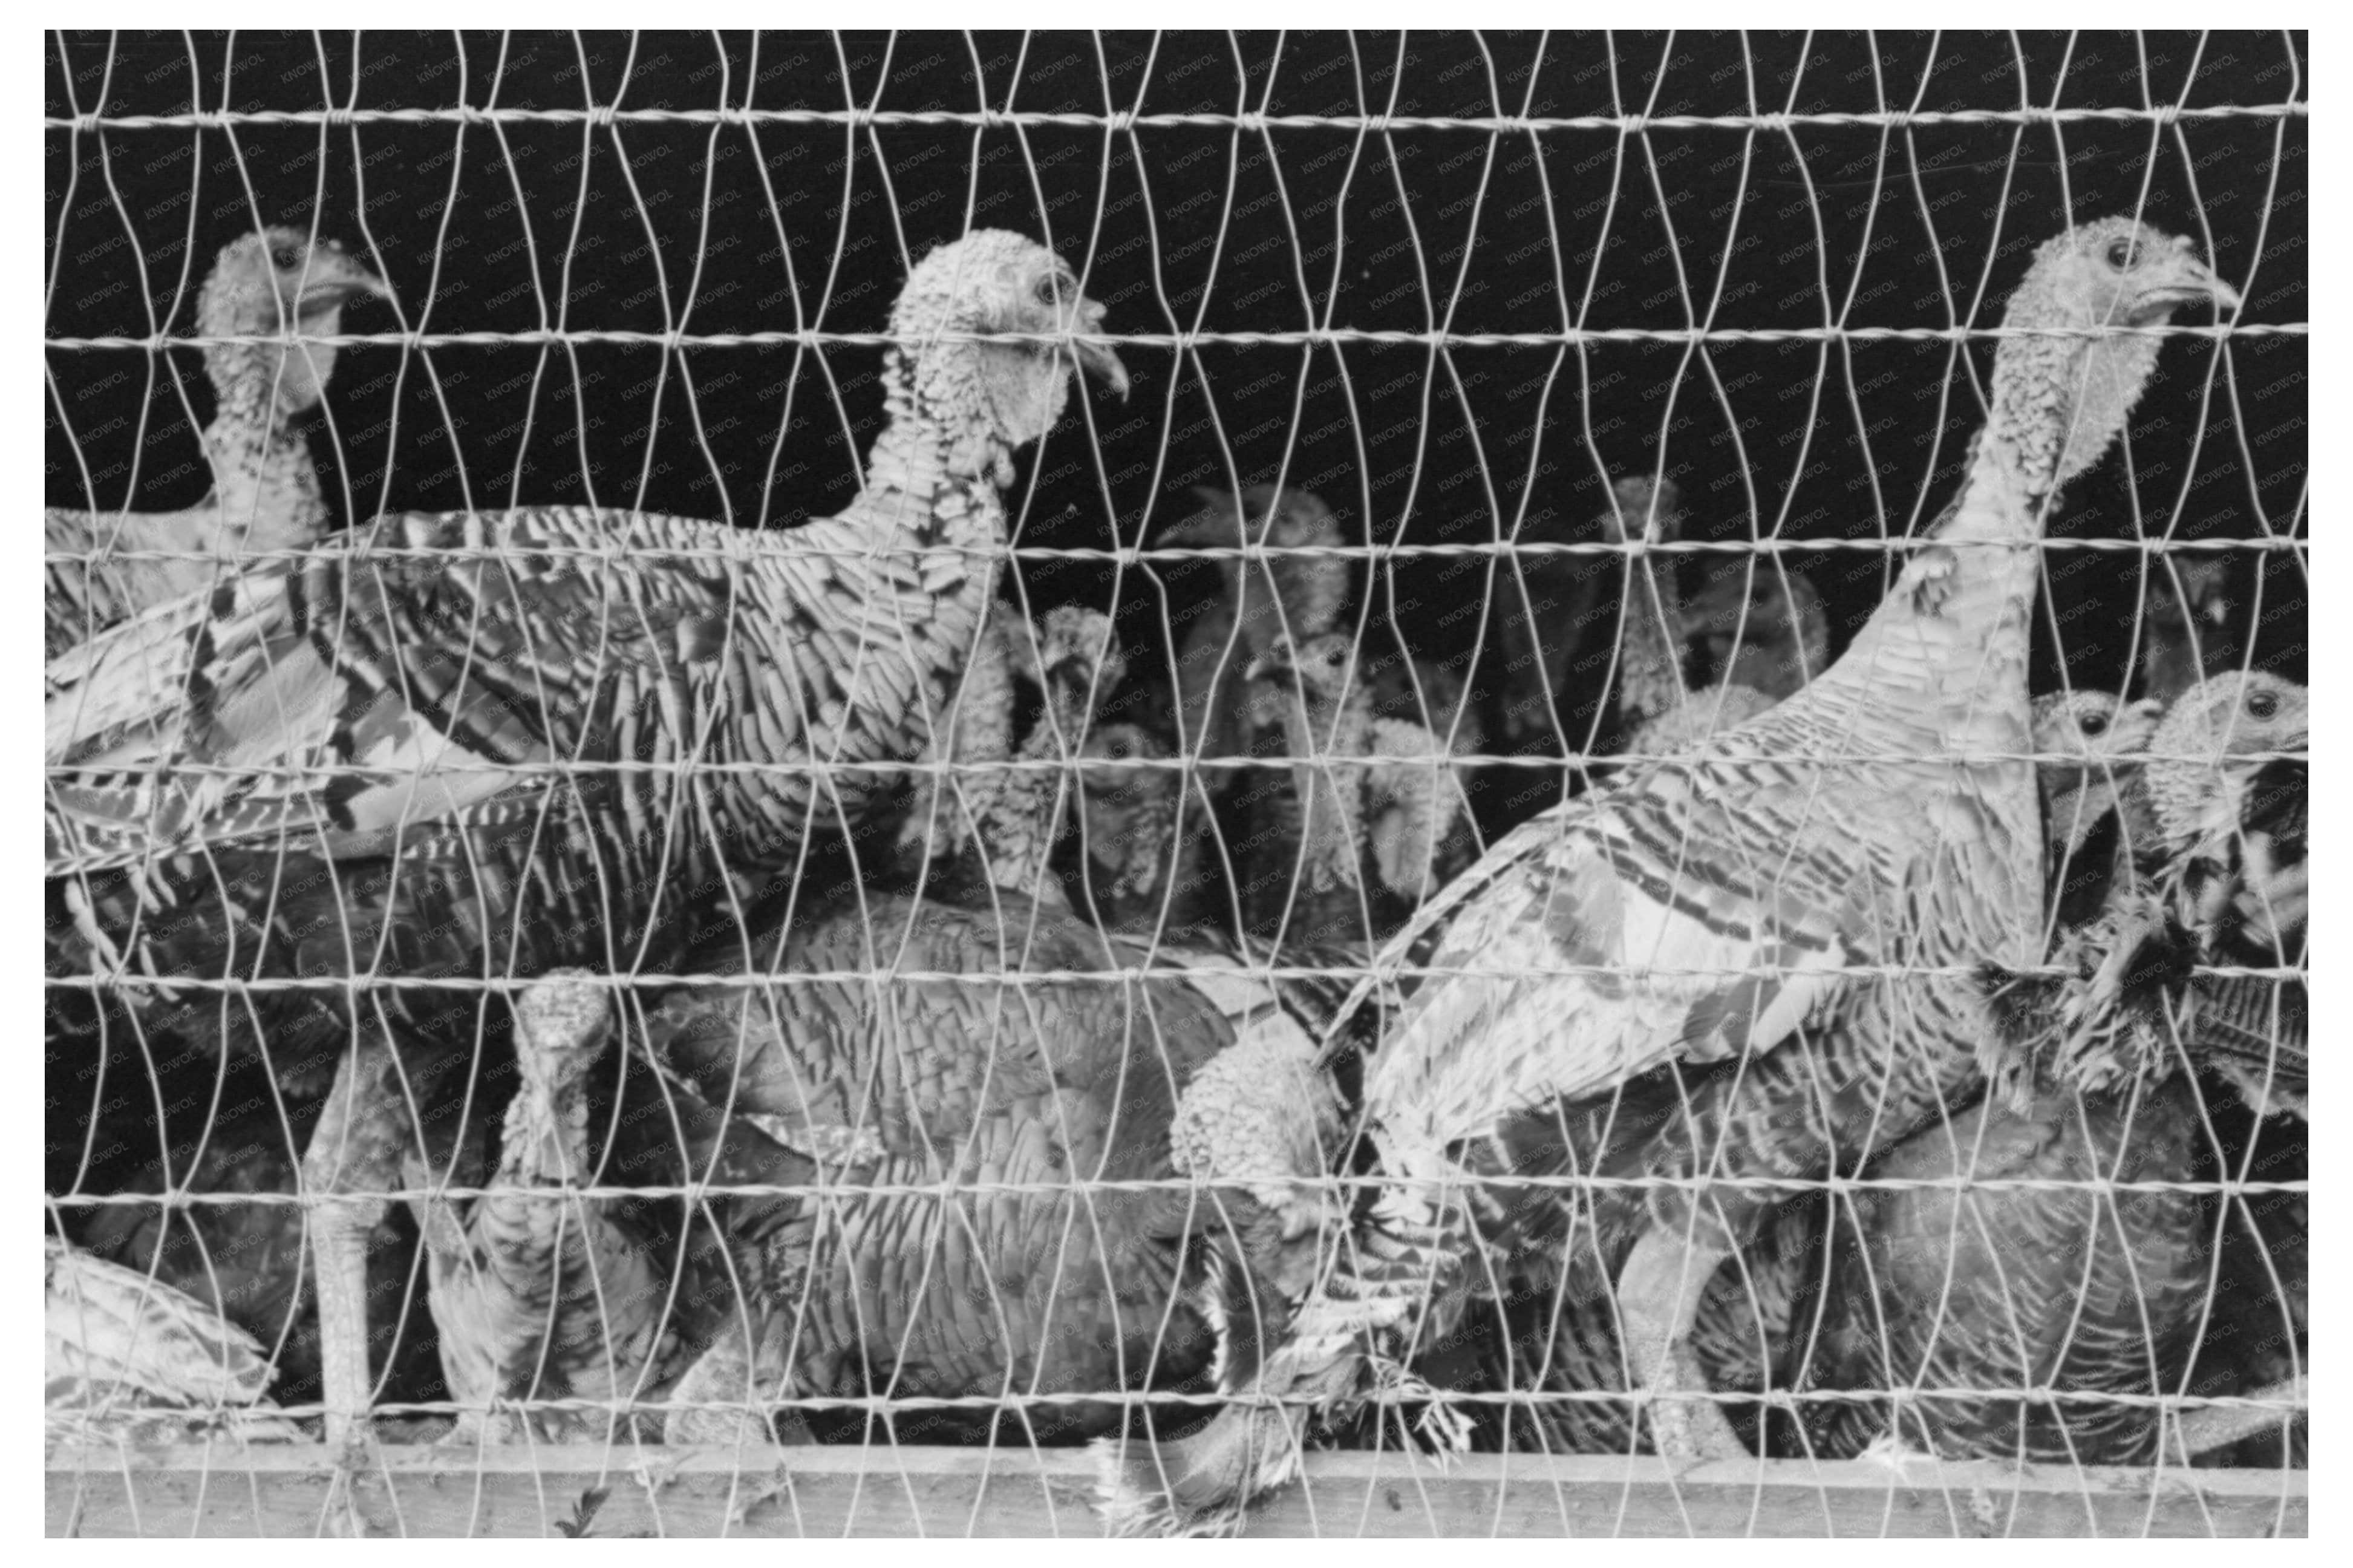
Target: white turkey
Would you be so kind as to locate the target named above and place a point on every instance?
(529, 739)
(106, 566)
(1807, 898)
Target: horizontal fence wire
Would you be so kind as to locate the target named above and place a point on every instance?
(602, 971)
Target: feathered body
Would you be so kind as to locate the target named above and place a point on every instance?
(1942, 1293)
(1143, 864)
(1760, 626)
(1546, 604)
(1805, 899)
(126, 1357)
(1377, 801)
(539, 1293)
(556, 737)
(265, 493)
(1297, 596)
(989, 1080)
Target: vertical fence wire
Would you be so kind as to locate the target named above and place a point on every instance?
(1492, 399)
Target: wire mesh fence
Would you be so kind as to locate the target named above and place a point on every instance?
(1144, 762)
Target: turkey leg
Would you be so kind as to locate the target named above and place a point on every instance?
(1659, 1296)
(348, 1173)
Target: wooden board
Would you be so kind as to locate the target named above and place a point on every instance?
(649, 1491)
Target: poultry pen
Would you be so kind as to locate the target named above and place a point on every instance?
(1162, 783)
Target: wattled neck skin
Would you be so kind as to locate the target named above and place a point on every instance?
(956, 411)
(268, 286)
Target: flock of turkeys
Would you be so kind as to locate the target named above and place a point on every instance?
(598, 974)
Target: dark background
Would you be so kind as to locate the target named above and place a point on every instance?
(707, 228)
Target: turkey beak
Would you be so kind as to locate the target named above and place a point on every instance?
(1097, 359)
(2188, 281)
(334, 281)
(1274, 661)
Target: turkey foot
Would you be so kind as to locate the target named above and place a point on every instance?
(1659, 1296)
(730, 1374)
(347, 1174)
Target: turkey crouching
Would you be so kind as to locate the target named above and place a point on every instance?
(1018, 1061)
(557, 737)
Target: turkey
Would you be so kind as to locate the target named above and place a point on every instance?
(975, 729)
(556, 737)
(106, 566)
(1373, 793)
(1075, 660)
(1021, 1058)
(1016, 1053)
(1966, 1298)
(541, 1296)
(1546, 602)
(232, 1142)
(2083, 826)
(1142, 873)
(1749, 1330)
(1007, 804)
(2186, 623)
(1659, 715)
(1299, 595)
(2220, 879)
(1761, 626)
(1945, 1292)
(1882, 820)
(126, 1358)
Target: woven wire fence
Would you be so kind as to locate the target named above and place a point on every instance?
(1501, 413)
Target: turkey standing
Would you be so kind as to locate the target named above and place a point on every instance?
(1372, 792)
(126, 1358)
(1881, 820)
(1969, 1298)
(265, 493)
(561, 736)
(1747, 1334)
(541, 1294)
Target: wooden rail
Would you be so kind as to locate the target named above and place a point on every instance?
(647, 1492)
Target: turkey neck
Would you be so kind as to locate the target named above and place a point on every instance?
(933, 484)
(546, 1138)
(1651, 683)
(1021, 817)
(263, 482)
(1328, 831)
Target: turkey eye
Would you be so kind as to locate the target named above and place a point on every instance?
(1047, 291)
(2262, 704)
(2120, 254)
(2095, 725)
